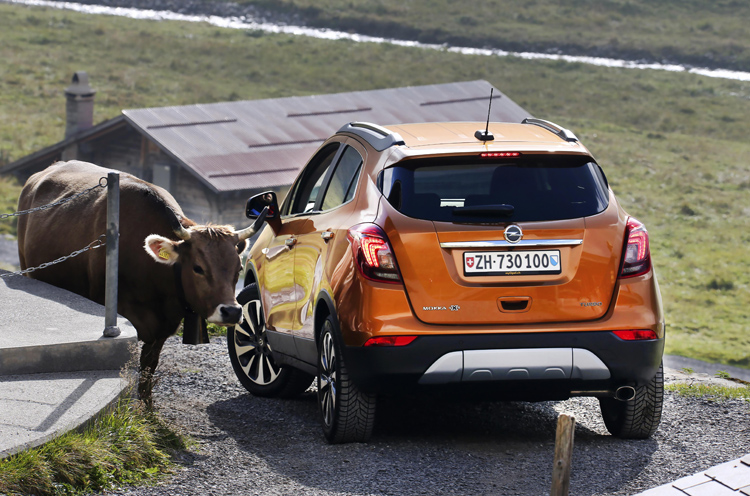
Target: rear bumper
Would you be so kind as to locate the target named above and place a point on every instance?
(535, 365)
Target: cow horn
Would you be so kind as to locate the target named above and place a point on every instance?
(249, 231)
(177, 227)
(182, 233)
(245, 233)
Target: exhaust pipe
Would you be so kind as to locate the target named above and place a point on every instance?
(625, 393)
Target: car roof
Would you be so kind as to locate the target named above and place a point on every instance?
(448, 138)
(450, 134)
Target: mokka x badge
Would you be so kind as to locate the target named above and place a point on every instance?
(452, 308)
(513, 234)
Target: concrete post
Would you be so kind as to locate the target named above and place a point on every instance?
(113, 255)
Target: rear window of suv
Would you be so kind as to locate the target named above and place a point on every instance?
(477, 190)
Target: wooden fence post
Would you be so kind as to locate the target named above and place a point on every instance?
(566, 426)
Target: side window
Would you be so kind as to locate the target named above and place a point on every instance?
(307, 187)
(344, 180)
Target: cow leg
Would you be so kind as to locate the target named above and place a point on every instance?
(149, 360)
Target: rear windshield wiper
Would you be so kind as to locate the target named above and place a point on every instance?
(503, 210)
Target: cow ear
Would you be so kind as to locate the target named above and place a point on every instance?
(241, 246)
(161, 249)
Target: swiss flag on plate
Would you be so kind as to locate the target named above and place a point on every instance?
(470, 262)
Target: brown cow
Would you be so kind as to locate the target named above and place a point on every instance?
(185, 269)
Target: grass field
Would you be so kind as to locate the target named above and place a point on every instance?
(699, 32)
(125, 445)
(674, 146)
(9, 190)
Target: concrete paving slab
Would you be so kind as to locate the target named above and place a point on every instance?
(35, 408)
(734, 475)
(662, 491)
(46, 329)
(710, 489)
(691, 480)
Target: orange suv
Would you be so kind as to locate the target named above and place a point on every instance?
(435, 257)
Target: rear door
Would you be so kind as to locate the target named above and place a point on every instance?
(514, 241)
(327, 225)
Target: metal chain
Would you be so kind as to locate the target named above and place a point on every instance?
(97, 243)
(102, 184)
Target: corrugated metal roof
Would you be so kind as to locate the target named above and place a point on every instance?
(254, 144)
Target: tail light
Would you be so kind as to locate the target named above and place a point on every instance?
(637, 259)
(373, 254)
(636, 334)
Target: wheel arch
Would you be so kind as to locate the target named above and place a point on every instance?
(323, 308)
(251, 274)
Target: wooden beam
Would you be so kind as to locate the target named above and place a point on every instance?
(566, 426)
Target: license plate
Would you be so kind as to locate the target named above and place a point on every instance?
(511, 263)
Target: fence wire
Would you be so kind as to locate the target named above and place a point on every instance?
(102, 184)
(97, 243)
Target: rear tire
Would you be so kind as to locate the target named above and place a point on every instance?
(639, 417)
(251, 356)
(347, 413)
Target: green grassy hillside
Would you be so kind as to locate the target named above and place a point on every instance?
(674, 146)
(700, 32)
(9, 190)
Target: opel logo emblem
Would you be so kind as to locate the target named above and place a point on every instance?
(513, 234)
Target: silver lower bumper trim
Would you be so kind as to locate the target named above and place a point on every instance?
(516, 364)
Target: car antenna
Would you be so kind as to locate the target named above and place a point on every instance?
(486, 135)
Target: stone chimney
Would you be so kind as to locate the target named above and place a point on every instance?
(79, 106)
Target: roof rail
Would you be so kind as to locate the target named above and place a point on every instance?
(563, 133)
(378, 137)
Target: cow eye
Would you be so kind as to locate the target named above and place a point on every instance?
(198, 269)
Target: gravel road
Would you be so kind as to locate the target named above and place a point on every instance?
(248, 445)
(8, 253)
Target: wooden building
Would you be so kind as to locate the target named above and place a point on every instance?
(212, 157)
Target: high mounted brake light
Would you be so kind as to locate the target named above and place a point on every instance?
(637, 257)
(373, 254)
(500, 154)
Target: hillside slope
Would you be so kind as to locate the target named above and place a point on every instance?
(674, 145)
(702, 33)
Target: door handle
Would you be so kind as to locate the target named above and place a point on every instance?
(327, 235)
(290, 242)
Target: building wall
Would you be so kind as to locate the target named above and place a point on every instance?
(198, 203)
(119, 150)
(126, 150)
(129, 151)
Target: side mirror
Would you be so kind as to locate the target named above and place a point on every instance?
(257, 203)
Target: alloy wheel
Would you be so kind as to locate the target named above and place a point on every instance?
(327, 383)
(252, 348)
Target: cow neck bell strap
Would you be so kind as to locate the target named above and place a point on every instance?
(194, 328)
(177, 268)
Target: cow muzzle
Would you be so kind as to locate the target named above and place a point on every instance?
(226, 315)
